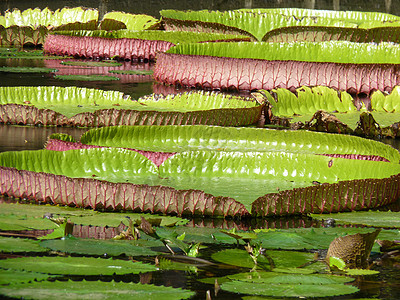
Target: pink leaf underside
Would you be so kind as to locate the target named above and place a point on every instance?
(96, 47)
(224, 73)
(29, 115)
(327, 198)
(97, 194)
(157, 158)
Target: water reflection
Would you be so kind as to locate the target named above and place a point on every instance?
(14, 138)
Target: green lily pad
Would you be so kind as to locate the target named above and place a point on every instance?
(20, 222)
(94, 290)
(34, 210)
(12, 277)
(313, 238)
(132, 72)
(27, 70)
(282, 259)
(86, 77)
(111, 219)
(102, 247)
(76, 265)
(16, 245)
(92, 63)
(284, 285)
(386, 219)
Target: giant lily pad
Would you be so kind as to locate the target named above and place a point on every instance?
(27, 70)
(386, 219)
(324, 109)
(76, 265)
(96, 247)
(98, 289)
(93, 107)
(223, 159)
(10, 277)
(16, 245)
(257, 22)
(284, 285)
(252, 66)
(125, 44)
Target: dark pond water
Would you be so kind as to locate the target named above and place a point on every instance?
(385, 285)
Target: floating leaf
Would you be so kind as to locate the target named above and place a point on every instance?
(27, 70)
(21, 222)
(100, 247)
(94, 290)
(76, 265)
(256, 66)
(11, 277)
(86, 77)
(282, 259)
(386, 219)
(279, 285)
(17, 245)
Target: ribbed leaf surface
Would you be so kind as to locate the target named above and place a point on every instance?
(323, 34)
(185, 138)
(257, 22)
(309, 100)
(337, 52)
(131, 21)
(73, 106)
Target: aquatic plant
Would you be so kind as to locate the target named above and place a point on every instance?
(257, 23)
(74, 106)
(337, 180)
(253, 66)
(124, 44)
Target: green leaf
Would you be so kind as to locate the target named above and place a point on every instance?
(103, 247)
(337, 262)
(22, 222)
(27, 70)
(228, 139)
(94, 290)
(76, 265)
(386, 219)
(354, 53)
(132, 21)
(289, 290)
(11, 277)
(17, 245)
(282, 259)
(257, 22)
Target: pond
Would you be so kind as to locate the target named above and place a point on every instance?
(221, 255)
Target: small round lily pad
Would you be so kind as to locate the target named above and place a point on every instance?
(86, 77)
